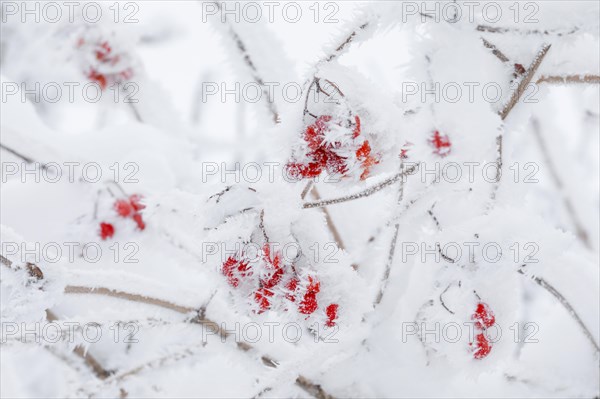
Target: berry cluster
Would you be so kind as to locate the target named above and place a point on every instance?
(106, 66)
(484, 318)
(126, 208)
(328, 151)
(440, 143)
(270, 282)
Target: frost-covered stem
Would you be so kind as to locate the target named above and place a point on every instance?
(392, 250)
(303, 382)
(35, 272)
(334, 231)
(499, 29)
(388, 265)
(312, 388)
(514, 99)
(345, 42)
(307, 189)
(499, 54)
(241, 46)
(135, 112)
(554, 292)
(567, 79)
(21, 156)
(80, 351)
(364, 193)
(72, 289)
(579, 230)
(505, 111)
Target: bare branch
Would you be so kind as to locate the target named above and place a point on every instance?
(241, 46)
(579, 229)
(563, 301)
(21, 156)
(330, 224)
(514, 99)
(345, 42)
(499, 54)
(568, 79)
(303, 382)
(364, 193)
(499, 29)
(312, 388)
(70, 289)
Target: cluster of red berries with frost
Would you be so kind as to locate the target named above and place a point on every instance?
(330, 147)
(484, 318)
(104, 65)
(127, 208)
(440, 143)
(270, 284)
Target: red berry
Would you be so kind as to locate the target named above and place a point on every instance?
(103, 52)
(404, 150)
(135, 201)
(331, 313)
(291, 287)
(123, 208)
(519, 69)
(126, 74)
(364, 154)
(107, 230)
(138, 220)
(233, 269)
(262, 298)
(441, 144)
(483, 316)
(97, 77)
(482, 346)
(356, 131)
(275, 264)
(228, 270)
(309, 302)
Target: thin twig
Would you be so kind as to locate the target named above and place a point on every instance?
(330, 224)
(23, 157)
(307, 189)
(505, 111)
(35, 272)
(364, 193)
(563, 301)
(70, 289)
(499, 54)
(392, 250)
(579, 229)
(526, 79)
(303, 382)
(250, 64)
(348, 39)
(312, 388)
(567, 79)
(499, 29)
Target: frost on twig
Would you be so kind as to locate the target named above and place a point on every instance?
(568, 79)
(563, 301)
(37, 275)
(392, 249)
(525, 80)
(505, 111)
(499, 54)
(568, 204)
(303, 382)
(251, 63)
(364, 193)
(549, 32)
(22, 156)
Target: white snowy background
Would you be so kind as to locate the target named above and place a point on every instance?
(171, 296)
